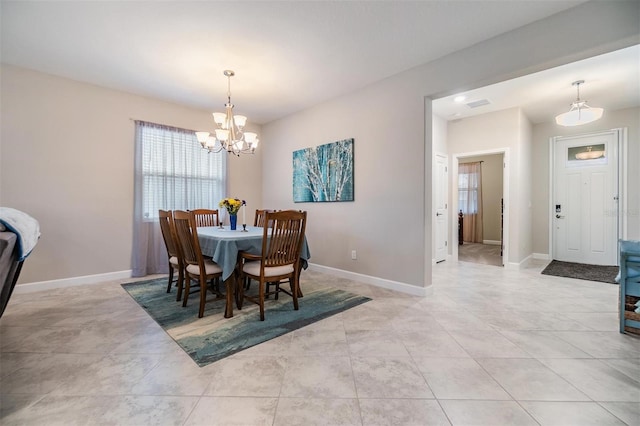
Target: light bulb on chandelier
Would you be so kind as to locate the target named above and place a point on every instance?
(229, 135)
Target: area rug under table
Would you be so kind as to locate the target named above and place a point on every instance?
(214, 337)
(605, 274)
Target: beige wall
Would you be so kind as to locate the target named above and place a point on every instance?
(626, 118)
(67, 152)
(393, 144)
(525, 186)
(500, 131)
(492, 172)
(389, 175)
(67, 160)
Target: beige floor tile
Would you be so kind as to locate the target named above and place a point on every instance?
(376, 343)
(432, 344)
(319, 342)
(148, 410)
(603, 344)
(247, 376)
(459, 378)
(317, 412)
(570, 413)
(487, 413)
(596, 379)
(10, 404)
(530, 380)
(543, 344)
(62, 410)
(386, 412)
(173, 375)
(115, 374)
(318, 377)
(487, 344)
(233, 411)
(628, 412)
(388, 377)
(42, 374)
(629, 366)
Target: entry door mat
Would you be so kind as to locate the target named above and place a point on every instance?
(214, 337)
(605, 274)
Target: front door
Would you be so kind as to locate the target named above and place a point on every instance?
(585, 199)
(440, 199)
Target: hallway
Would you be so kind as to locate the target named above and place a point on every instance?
(486, 254)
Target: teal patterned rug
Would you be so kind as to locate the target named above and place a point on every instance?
(214, 337)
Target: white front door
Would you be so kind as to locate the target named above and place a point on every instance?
(585, 199)
(441, 193)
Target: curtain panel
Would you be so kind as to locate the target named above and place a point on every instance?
(172, 172)
(470, 200)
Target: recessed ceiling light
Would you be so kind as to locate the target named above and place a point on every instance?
(460, 98)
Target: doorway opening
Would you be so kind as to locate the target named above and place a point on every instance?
(479, 191)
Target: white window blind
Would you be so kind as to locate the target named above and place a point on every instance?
(177, 174)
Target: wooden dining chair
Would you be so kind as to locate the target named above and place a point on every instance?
(203, 271)
(279, 261)
(258, 220)
(259, 217)
(176, 262)
(206, 217)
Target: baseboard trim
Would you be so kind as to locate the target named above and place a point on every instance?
(492, 242)
(71, 282)
(111, 276)
(541, 256)
(519, 265)
(375, 281)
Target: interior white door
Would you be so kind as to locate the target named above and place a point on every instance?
(585, 206)
(440, 207)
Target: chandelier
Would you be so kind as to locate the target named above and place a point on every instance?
(229, 135)
(580, 112)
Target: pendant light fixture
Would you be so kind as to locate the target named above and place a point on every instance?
(580, 112)
(229, 135)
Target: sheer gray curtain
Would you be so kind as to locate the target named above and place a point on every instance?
(470, 200)
(172, 172)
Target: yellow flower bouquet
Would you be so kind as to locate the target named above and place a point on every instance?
(232, 205)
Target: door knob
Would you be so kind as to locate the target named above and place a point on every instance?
(438, 214)
(559, 217)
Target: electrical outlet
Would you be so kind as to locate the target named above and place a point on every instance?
(353, 255)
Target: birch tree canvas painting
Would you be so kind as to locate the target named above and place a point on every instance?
(324, 173)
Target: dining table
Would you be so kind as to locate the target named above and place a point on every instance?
(222, 245)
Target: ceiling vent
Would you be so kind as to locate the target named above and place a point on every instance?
(476, 104)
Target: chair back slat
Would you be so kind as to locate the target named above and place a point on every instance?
(282, 241)
(259, 219)
(206, 217)
(186, 229)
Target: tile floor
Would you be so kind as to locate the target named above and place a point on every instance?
(487, 254)
(489, 347)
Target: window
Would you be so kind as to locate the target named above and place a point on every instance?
(468, 178)
(176, 174)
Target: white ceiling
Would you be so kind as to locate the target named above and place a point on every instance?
(287, 55)
(611, 81)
